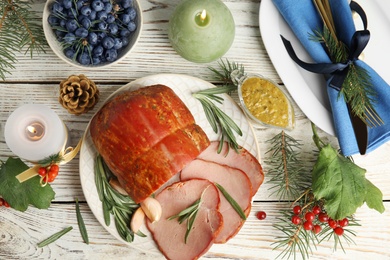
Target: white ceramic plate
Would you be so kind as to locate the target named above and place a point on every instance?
(306, 88)
(183, 86)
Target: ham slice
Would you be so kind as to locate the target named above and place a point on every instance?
(234, 181)
(169, 235)
(244, 161)
(135, 127)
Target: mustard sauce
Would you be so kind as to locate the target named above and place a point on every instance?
(266, 102)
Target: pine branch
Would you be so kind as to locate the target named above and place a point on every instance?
(20, 28)
(286, 170)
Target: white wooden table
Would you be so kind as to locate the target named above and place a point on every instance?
(37, 81)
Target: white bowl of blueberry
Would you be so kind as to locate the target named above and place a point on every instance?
(92, 33)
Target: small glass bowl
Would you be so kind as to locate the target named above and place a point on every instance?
(265, 103)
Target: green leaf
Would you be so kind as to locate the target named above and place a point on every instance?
(374, 197)
(21, 195)
(54, 237)
(342, 184)
(81, 224)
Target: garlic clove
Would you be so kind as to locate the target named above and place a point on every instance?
(152, 209)
(137, 220)
(116, 186)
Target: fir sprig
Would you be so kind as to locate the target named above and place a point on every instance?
(20, 28)
(357, 86)
(226, 68)
(285, 167)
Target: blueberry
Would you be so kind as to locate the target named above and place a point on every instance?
(84, 59)
(131, 26)
(125, 41)
(108, 42)
(111, 55)
(71, 25)
(118, 43)
(69, 52)
(110, 18)
(96, 60)
(125, 18)
(113, 28)
(132, 12)
(57, 8)
(101, 15)
(92, 15)
(80, 4)
(81, 32)
(125, 33)
(72, 13)
(92, 38)
(106, 1)
(102, 26)
(108, 7)
(69, 38)
(97, 5)
(60, 34)
(52, 20)
(101, 36)
(126, 3)
(67, 4)
(63, 23)
(86, 23)
(98, 50)
(86, 10)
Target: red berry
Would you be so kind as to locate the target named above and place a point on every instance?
(343, 223)
(297, 209)
(323, 217)
(2, 202)
(316, 210)
(317, 229)
(332, 223)
(42, 171)
(339, 231)
(308, 225)
(296, 220)
(309, 216)
(261, 215)
(54, 168)
(6, 204)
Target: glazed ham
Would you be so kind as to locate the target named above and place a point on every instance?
(170, 235)
(146, 136)
(243, 160)
(234, 181)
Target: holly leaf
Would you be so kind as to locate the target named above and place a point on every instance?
(343, 185)
(20, 195)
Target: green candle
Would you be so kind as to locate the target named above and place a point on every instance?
(201, 30)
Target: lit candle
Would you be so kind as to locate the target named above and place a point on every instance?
(34, 132)
(201, 30)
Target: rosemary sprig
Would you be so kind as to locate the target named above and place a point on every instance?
(285, 167)
(227, 68)
(188, 214)
(120, 206)
(54, 237)
(231, 201)
(81, 224)
(217, 118)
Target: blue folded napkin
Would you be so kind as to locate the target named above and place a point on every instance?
(303, 19)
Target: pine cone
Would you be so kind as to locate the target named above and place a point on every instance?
(78, 94)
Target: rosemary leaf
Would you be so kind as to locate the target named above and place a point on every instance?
(81, 224)
(188, 214)
(54, 237)
(232, 202)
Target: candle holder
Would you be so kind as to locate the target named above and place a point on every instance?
(34, 132)
(201, 31)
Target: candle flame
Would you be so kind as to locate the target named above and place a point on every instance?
(31, 129)
(203, 15)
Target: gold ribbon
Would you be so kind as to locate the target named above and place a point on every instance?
(67, 154)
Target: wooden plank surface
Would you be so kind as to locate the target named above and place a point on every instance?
(37, 81)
